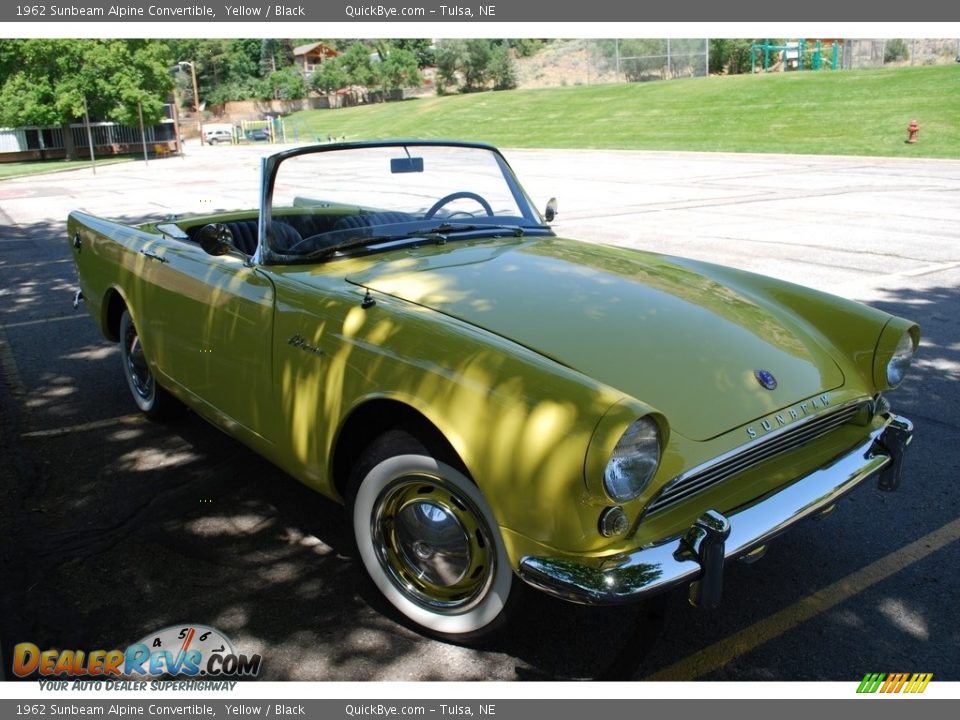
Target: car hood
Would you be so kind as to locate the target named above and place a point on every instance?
(648, 325)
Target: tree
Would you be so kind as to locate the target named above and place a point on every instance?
(397, 70)
(358, 66)
(475, 66)
(449, 55)
(286, 84)
(421, 47)
(730, 55)
(330, 76)
(501, 69)
(269, 50)
(51, 82)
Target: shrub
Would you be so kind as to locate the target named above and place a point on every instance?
(895, 51)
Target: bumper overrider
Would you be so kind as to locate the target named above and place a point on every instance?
(698, 555)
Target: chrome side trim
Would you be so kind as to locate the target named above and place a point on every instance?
(746, 456)
(630, 576)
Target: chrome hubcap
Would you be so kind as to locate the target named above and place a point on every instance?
(433, 544)
(140, 377)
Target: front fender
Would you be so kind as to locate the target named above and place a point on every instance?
(521, 424)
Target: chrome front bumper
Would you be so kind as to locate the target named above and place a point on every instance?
(698, 555)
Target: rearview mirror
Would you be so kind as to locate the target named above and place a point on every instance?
(551, 212)
(215, 239)
(406, 165)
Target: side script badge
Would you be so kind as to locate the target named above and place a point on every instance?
(298, 341)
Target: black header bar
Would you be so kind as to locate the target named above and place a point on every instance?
(537, 12)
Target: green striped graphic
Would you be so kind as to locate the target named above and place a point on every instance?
(895, 682)
(871, 682)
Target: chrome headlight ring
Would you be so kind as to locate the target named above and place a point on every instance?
(634, 461)
(894, 352)
(899, 363)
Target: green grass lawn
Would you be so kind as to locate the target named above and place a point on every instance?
(854, 112)
(35, 167)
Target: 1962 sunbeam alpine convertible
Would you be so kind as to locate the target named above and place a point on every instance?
(399, 328)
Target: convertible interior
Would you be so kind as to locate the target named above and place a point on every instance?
(289, 230)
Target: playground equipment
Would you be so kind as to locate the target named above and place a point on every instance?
(799, 54)
(271, 129)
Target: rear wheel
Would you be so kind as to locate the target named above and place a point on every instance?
(429, 541)
(153, 401)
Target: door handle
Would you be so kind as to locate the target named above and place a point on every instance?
(154, 256)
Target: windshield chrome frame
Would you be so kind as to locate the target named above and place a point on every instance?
(265, 255)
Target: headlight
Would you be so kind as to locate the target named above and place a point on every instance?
(900, 362)
(633, 462)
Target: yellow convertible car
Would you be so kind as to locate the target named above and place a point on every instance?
(398, 327)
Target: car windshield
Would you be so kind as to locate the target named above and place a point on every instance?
(340, 200)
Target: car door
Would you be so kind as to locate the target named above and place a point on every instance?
(212, 319)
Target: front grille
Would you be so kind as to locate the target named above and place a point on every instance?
(788, 438)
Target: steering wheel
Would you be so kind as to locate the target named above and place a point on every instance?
(461, 195)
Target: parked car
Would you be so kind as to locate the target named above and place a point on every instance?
(398, 327)
(258, 135)
(216, 135)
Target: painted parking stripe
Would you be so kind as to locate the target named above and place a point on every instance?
(929, 269)
(43, 321)
(11, 371)
(718, 655)
(41, 263)
(83, 427)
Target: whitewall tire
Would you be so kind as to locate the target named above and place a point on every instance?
(152, 400)
(429, 541)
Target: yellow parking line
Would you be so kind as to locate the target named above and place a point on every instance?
(716, 656)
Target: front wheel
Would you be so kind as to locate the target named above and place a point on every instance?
(429, 541)
(153, 401)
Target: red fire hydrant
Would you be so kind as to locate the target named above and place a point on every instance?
(913, 128)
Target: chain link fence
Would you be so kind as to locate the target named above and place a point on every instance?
(659, 59)
(601, 61)
(900, 52)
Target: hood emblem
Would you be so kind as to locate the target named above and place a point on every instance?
(766, 379)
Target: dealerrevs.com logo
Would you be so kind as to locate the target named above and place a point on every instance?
(912, 683)
(185, 651)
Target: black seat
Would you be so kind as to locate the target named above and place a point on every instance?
(245, 235)
(285, 236)
(352, 222)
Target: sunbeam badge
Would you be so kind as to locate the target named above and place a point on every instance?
(766, 379)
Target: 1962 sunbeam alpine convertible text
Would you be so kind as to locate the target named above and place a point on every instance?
(399, 328)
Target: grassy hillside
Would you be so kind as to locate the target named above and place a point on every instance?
(862, 112)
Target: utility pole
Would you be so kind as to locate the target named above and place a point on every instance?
(196, 97)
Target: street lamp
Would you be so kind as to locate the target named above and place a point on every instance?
(196, 96)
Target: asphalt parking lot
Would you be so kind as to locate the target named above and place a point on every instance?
(115, 527)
